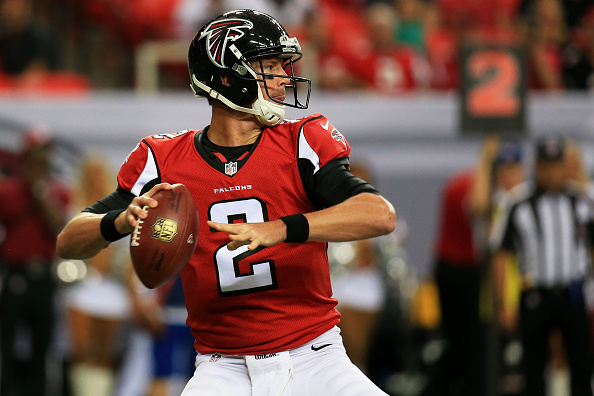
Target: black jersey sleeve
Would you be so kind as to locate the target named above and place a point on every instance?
(331, 184)
(119, 199)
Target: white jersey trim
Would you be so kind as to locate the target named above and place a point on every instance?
(148, 173)
(306, 152)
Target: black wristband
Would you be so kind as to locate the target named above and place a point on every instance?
(297, 228)
(108, 228)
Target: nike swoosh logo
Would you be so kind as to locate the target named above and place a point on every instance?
(325, 126)
(314, 348)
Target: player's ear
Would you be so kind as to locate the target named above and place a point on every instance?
(227, 80)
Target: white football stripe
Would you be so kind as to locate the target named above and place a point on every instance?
(148, 173)
(306, 152)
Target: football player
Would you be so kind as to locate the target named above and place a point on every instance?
(270, 193)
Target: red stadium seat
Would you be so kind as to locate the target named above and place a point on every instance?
(46, 83)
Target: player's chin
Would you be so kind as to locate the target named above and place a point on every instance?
(278, 98)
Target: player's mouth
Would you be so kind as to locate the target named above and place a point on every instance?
(279, 98)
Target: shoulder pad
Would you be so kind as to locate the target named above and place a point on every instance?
(320, 141)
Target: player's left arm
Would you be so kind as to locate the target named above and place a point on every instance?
(365, 215)
(349, 208)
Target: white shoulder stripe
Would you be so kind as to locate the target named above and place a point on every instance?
(306, 152)
(148, 173)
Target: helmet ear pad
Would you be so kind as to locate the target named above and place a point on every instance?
(236, 88)
(243, 90)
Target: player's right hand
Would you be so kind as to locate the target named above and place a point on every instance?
(129, 220)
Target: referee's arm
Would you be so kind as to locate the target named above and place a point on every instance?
(507, 318)
(504, 251)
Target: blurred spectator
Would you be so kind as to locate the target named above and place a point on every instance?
(485, 20)
(389, 352)
(508, 174)
(345, 25)
(33, 210)
(367, 278)
(573, 10)
(173, 349)
(146, 323)
(549, 228)
(27, 46)
(99, 304)
(9, 162)
(290, 13)
(458, 277)
(386, 67)
(508, 170)
(30, 53)
(140, 20)
(332, 35)
(189, 15)
(133, 21)
(575, 166)
(360, 290)
(410, 30)
(442, 52)
(350, 55)
(545, 32)
(361, 294)
(578, 56)
(467, 202)
(136, 21)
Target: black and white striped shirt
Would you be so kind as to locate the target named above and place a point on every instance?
(552, 234)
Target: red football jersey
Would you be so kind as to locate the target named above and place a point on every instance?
(248, 302)
(26, 237)
(455, 242)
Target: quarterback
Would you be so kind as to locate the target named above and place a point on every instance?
(270, 193)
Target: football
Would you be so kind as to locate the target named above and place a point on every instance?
(162, 244)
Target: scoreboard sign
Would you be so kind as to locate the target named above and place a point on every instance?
(493, 89)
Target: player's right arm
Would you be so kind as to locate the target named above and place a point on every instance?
(138, 181)
(81, 238)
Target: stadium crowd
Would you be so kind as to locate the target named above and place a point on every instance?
(390, 46)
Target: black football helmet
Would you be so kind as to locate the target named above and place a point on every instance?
(226, 45)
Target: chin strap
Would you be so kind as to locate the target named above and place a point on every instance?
(269, 113)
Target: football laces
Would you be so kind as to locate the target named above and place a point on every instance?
(136, 232)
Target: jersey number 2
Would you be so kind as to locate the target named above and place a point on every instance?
(261, 275)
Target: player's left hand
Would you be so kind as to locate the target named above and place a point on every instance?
(252, 234)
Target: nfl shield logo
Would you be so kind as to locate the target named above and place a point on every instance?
(215, 357)
(231, 168)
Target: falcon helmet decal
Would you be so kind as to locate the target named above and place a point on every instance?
(218, 33)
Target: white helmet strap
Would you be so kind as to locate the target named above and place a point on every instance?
(269, 113)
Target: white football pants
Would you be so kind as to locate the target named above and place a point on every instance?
(319, 368)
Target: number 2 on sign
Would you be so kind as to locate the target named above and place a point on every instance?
(496, 93)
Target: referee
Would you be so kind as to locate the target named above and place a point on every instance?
(549, 227)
